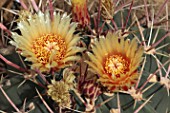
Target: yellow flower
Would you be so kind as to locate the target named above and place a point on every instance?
(80, 12)
(48, 44)
(116, 61)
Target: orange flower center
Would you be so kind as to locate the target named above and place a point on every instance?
(49, 46)
(116, 65)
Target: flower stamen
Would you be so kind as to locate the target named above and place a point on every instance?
(46, 45)
(116, 65)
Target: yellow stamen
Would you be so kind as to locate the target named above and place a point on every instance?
(116, 65)
(48, 44)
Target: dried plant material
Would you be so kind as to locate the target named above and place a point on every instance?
(59, 92)
(107, 10)
(7, 4)
(7, 50)
(31, 106)
(90, 89)
(138, 96)
(166, 82)
(8, 83)
(109, 94)
(80, 12)
(68, 78)
(153, 79)
(114, 110)
(150, 51)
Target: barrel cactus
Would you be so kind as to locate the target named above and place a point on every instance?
(91, 56)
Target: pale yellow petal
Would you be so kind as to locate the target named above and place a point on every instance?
(74, 50)
(27, 53)
(95, 60)
(133, 48)
(66, 26)
(61, 25)
(98, 55)
(42, 24)
(69, 35)
(55, 23)
(71, 58)
(48, 22)
(74, 41)
(93, 66)
(103, 46)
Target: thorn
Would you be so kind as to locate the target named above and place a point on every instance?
(23, 4)
(9, 100)
(34, 5)
(5, 29)
(118, 103)
(51, 9)
(46, 105)
(12, 64)
(140, 107)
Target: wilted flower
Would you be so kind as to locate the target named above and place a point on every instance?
(59, 92)
(116, 61)
(90, 89)
(80, 12)
(48, 44)
(68, 78)
(107, 9)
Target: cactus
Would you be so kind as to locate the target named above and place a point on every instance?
(91, 56)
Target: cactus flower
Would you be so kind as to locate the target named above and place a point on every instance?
(48, 44)
(116, 61)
